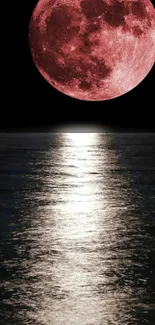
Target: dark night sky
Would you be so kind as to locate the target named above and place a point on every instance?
(35, 104)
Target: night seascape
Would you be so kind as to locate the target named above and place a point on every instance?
(77, 228)
(77, 164)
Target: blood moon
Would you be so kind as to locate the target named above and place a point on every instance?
(93, 49)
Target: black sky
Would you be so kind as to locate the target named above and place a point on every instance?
(34, 104)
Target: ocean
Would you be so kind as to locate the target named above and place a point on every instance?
(77, 228)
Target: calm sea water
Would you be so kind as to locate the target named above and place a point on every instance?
(77, 229)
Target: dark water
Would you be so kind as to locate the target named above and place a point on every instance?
(77, 229)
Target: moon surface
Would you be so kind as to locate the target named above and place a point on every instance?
(93, 50)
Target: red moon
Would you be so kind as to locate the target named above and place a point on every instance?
(93, 50)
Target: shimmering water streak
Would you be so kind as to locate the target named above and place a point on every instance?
(77, 238)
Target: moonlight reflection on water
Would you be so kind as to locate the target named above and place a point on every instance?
(77, 239)
(80, 239)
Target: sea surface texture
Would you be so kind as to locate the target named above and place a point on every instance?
(77, 229)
